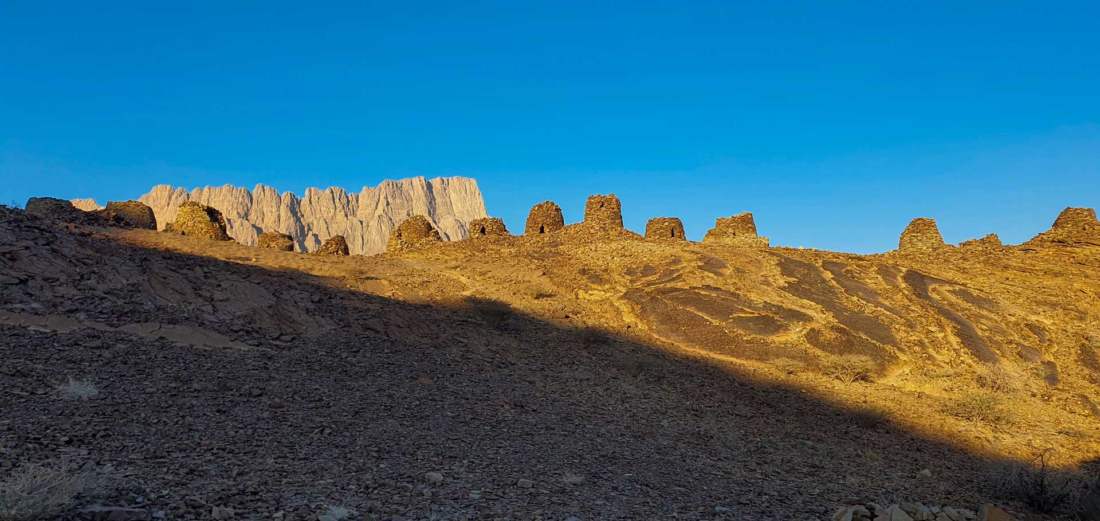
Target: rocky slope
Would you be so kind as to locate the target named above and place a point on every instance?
(580, 373)
(365, 219)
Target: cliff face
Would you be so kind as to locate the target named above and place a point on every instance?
(365, 219)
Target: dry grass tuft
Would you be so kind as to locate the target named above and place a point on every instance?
(850, 368)
(996, 379)
(44, 492)
(980, 407)
(77, 390)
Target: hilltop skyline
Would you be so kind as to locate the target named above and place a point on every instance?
(835, 125)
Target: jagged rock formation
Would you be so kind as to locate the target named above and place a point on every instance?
(921, 236)
(88, 205)
(736, 230)
(664, 228)
(989, 243)
(1073, 227)
(365, 219)
(544, 217)
(488, 227)
(413, 233)
(335, 245)
(275, 241)
(133, 213)
(199, 220)
(603, 212)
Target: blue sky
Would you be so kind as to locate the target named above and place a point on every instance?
(833, 122)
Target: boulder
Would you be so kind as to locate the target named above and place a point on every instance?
(135, 214)
(603, 212)
(665, 228)
(737, 230)
(335, 245)
(275, 241)
(194, 219)
(487, 227)
(413, 233)
(544, 217)
(921, 236)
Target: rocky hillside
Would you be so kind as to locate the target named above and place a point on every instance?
(365, 219)
(581, 373)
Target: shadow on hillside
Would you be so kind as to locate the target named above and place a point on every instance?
(522, 418)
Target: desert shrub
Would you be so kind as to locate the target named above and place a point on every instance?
(335, 513)
(788, 365)
(1036, 485)
(43, 492)
(996, 379)
(850, 368)
(77, 390)
(978, 407)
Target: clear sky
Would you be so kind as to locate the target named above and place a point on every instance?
(833, 122)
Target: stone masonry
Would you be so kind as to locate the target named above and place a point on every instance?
(275, 241)
(603, 212)
(335, 245)
(737, 230)
(487, 227)
(1073, 227)
(922, 235)
(544, 217)
(664, 228)
(199, 220)
(413, 233)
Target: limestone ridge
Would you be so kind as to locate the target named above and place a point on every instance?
(365, 219)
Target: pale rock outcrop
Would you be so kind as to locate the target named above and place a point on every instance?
(365, 219)
(88, 205)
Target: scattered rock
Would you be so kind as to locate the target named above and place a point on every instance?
(433, 477)
(275, 241)
(108, 513)
(222, 513)
(544, 217)
(991, 513)
(990, 243)
(893, 513)
(664, 228)
(525, 483)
